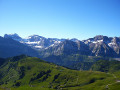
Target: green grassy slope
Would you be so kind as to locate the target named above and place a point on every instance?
(30, 73)
(106, 66)
(75, 61)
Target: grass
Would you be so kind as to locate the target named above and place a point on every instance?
(30, 73)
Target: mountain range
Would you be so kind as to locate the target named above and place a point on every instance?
(10, 47)
(97, 46)
(27, 72)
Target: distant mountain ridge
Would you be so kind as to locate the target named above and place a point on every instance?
(104, 46)
(35, 41)
(97, 46)
(10, 47)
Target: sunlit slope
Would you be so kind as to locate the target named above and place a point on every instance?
(31, 73)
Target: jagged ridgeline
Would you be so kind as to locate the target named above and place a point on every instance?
(97, 46)
(10, 47)
(30, 73)
(71, 53)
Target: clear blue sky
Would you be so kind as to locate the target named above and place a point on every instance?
(80, 19)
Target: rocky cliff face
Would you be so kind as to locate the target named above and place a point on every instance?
(97, 46)
(104, 46)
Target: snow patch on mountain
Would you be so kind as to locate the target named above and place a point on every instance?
(98, 45)
(98, 41)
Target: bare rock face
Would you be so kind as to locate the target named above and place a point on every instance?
(101, 49)
(35, 41)
(104, 46)
(115, 45)
(97, 46)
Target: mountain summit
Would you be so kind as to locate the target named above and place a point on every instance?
(13, 36)
(97, 46)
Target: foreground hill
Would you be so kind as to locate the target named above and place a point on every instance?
(30, 73)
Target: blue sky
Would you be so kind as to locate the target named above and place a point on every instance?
(80, 19)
